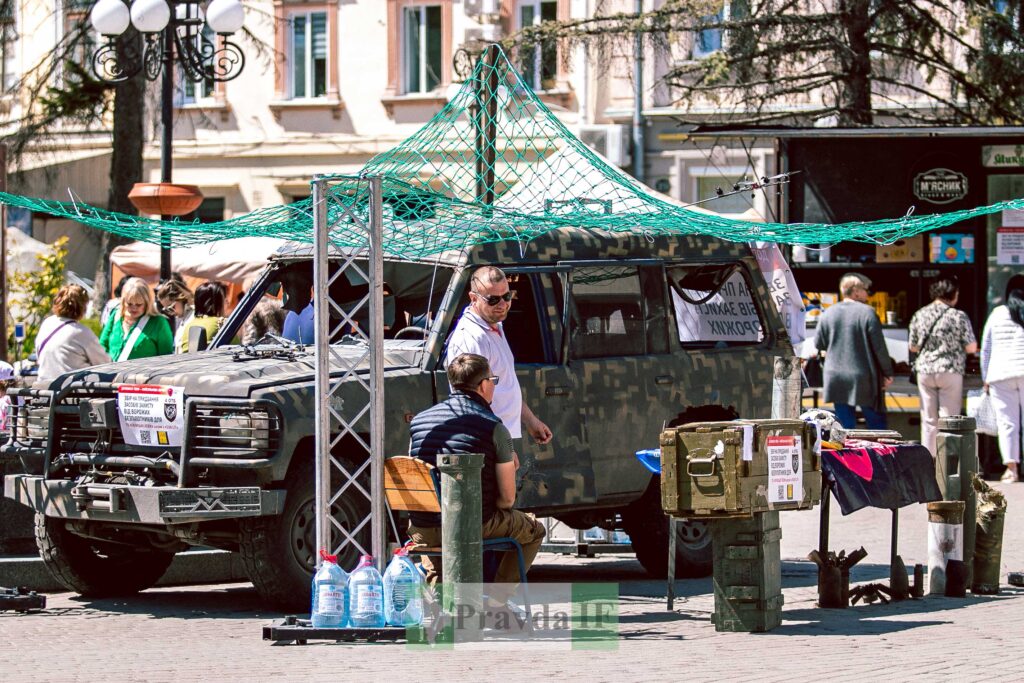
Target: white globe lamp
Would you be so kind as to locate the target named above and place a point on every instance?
(225, 16)
(110, 17)
(150, 16)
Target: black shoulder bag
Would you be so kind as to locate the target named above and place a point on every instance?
(912, 357)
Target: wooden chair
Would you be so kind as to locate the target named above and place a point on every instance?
(412, 485)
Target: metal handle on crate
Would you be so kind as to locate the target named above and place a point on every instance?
(709, 460)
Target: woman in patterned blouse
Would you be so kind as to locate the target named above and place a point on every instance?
(942, 337)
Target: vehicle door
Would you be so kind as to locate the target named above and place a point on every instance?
(556, 474)
(559, 473)
(722, 336)
(619, 355)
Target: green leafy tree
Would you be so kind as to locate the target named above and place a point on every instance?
(795, 61)
(32, 293)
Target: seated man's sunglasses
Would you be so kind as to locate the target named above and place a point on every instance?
(495, 298)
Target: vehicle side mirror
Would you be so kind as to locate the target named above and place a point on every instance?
(197, 339)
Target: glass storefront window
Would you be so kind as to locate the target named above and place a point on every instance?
(1005, 233)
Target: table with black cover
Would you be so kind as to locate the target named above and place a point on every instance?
(868, 474)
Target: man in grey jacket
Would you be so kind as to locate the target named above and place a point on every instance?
(857, 368)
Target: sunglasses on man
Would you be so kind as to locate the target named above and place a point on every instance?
(494, 379)
(493, 299)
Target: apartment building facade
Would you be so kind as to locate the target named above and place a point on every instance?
(330, 83)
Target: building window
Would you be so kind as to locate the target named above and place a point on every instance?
(538, 63)
(421, 48)
(210, 211)
(712, 39)
(707, 187)
(189, 91)
(80, 41)
(8, 42)
(308, 55)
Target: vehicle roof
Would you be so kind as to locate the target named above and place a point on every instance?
(563, 244)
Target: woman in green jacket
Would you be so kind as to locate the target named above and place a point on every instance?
(136, 330)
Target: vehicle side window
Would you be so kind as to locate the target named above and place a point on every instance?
(652, 281)
(533, 326)
(608, 312)
(713, 306)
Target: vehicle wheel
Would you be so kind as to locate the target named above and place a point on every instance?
(647, 526)
(279, 552)
(97, 569)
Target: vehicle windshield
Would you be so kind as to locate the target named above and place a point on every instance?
(280, 304)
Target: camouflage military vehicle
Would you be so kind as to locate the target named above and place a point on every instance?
(614, 337)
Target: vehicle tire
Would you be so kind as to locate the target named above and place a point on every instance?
(97, 569)
(647, 526)
(279, 552)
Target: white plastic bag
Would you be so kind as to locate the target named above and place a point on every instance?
(979, 406)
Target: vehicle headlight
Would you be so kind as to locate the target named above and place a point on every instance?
(245, 430)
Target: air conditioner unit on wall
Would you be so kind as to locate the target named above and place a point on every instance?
(609, 139)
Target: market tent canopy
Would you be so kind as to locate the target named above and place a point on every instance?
(235, 261)
(444, 189)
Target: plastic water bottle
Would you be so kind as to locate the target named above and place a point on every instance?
(365, 596)
(330, 594)
(403, 591)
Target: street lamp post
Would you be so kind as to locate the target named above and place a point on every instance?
(172, 32)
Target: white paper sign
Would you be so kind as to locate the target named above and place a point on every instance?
(783, 289)
(1010, 246)
(785, 469)
(748, 442)
(1013, 218)
(151, 414)
(729, 315)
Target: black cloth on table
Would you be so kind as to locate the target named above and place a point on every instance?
(880, 476)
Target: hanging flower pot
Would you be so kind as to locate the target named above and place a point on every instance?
(165, 199)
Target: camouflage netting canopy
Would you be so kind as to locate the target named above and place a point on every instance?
(495, 164)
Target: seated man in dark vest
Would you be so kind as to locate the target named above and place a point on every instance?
(464, 423)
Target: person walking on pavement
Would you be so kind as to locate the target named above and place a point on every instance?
(479, 331)
(942, 337)
(1002, 371)
(135, 330)
(465, 423)
(63, 343)
(858, 368)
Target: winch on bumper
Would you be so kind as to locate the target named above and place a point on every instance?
(140, 504)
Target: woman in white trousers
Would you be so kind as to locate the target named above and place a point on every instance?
(1002, 369)
(942, 337)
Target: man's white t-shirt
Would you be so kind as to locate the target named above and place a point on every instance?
(474, 335)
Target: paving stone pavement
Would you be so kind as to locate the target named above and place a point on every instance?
(204, 633)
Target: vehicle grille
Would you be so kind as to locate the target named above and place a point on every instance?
(29, 421)
(249, 431)
(246, 430)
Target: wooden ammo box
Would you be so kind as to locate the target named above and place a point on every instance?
(721, 469)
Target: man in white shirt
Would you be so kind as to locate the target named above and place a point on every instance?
(480, 331)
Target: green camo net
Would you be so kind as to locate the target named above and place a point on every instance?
(495, 164)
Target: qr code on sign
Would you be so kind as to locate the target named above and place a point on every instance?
(145, 437)
(782, 491)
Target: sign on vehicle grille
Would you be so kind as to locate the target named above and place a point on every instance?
(189, 502)
(150, 414)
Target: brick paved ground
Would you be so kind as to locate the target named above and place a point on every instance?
(213, 632)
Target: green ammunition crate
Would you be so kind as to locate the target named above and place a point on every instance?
(704, 472)
(747, 573)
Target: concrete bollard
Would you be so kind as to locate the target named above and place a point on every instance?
(945, 541)
(956, 464)
(461, 545)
